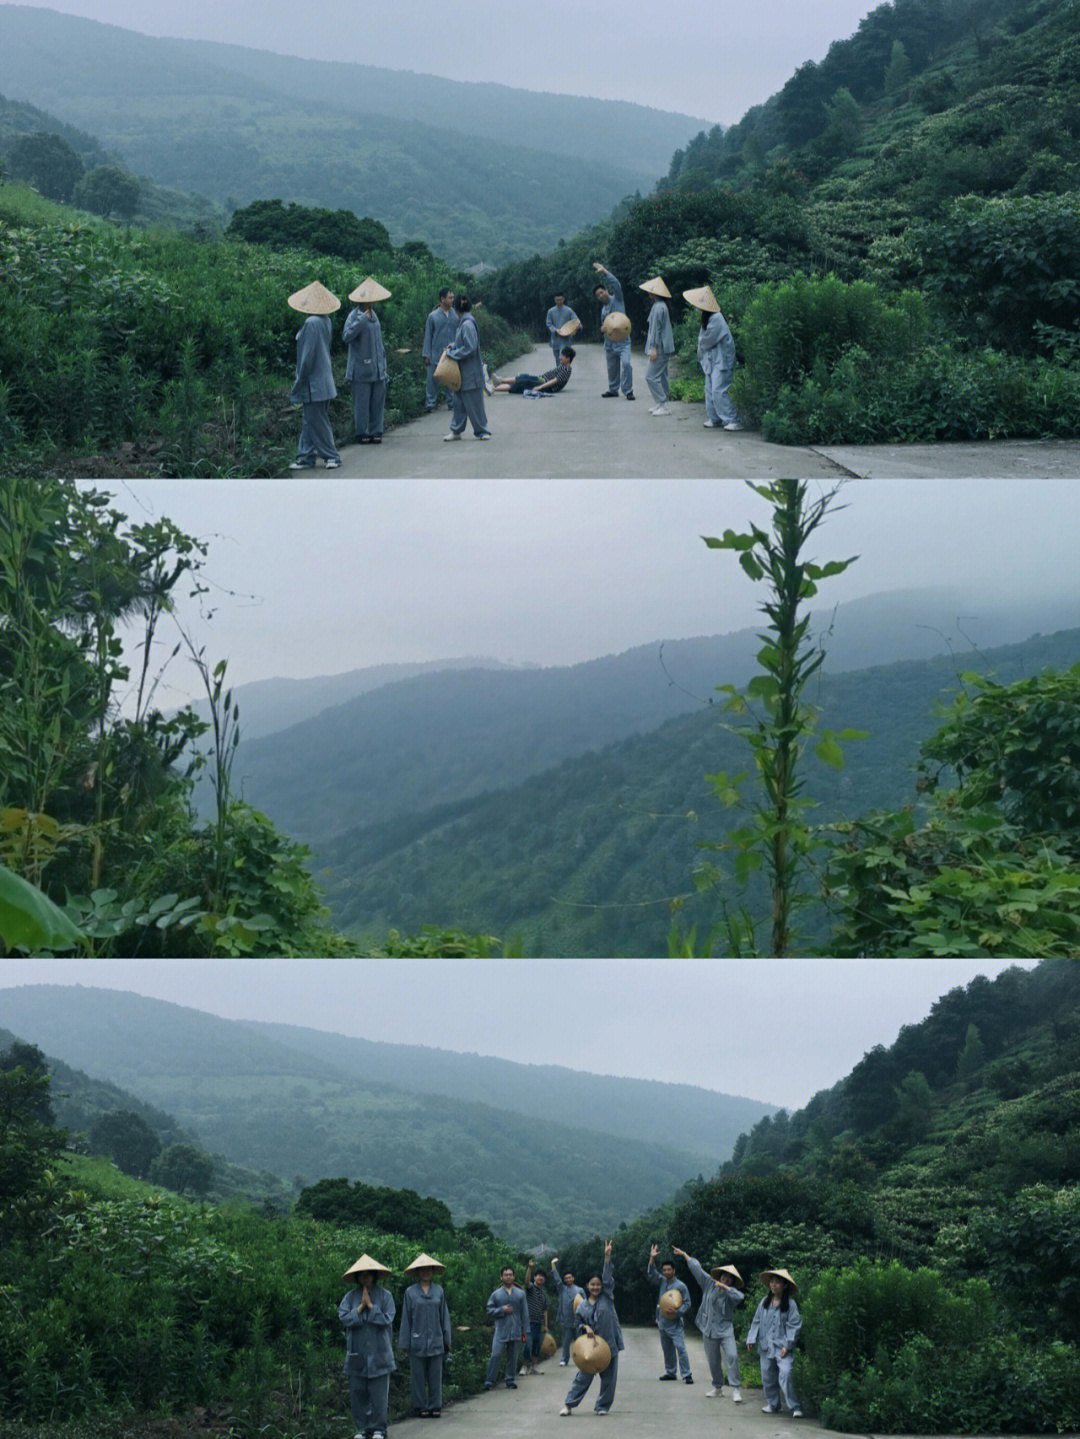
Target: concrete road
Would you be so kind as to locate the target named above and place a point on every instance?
(578, 435)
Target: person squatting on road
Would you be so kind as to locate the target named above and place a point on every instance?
(568, 1292)
(719, 1300)
(425, 1335)
(596, 1315)
(616, 351)
(314, 387)
(365, 368)
(670, 1316)
(775, 1330)
(506, 1306)
(367, 1316)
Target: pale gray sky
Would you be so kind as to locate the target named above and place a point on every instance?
(713, 61)
(311, 576)
(680, 1021)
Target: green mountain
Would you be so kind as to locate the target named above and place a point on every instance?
(413, 150)
(291, 1102)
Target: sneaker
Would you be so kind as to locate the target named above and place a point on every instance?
(375, 440)
(489, 388)
(660, 410)
(302, 465)
(733, 426)
(565, 1412)
(710, 425)
(610, 395)
(600, 1411)
(563, 1363)
(452, 435)
(796, 1414)
(768, 1409)
(483, 435)
(666, 1376)
(713, 1392)
(736, 1396)
(688, 1379)
(333, 464)
(486, 1384)
(631, 396)
(510, 1384)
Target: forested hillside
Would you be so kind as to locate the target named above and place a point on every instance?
(891, 236)
(588, 1150)
(587, 857)
(417, 151)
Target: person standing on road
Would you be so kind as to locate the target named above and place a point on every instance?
(670, 1321)
(659, 345)
(469, 400)
(440, 328)
(314, 387)
(559, 315)
(568, 1292)
(506, 1306)
(716, 356)
(425, 1335)
(367, 1316)
(620, 372)
(775, 1330)
(365, 368)
(596, 1315)
(719, 1300)
(536, 1301)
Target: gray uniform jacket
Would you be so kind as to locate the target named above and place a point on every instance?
(513, 1327)
(367, 353)
(663, 1323)
(660, 337)
(601, 1316)
(615, 304)
(567, 1294)
(314, 373)
(369, 1347)
(772, 1330)
(716, 345)
(556, 316)
(439, 331)
(465, 349)
(425, 1321)
(717, 1308)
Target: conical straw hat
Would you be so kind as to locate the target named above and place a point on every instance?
(656, 286)
(702, 299)
(578, 1299)
(548, 1346)
(767, 1274)
(616, 326)
(570, 328)
(425, 1261)
(315, 299)
(366, 1265)
(726, 1269)
(368, 291)
(671, 1302)
(590, 1353)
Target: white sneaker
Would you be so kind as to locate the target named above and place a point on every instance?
(452, 435)
(734, 426)
(489, 388)
(736, 1396)
(710, 425)
(563, 1363)
(302, 465)
(713, 1392)
(796, 1414)
(333, 464)
(660, 410)
(565, 1412)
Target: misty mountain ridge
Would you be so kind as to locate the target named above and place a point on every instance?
(289, 1101)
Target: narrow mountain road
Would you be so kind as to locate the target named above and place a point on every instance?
(578, 435)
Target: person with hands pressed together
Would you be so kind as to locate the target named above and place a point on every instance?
(720, 1298)
(367, 1316)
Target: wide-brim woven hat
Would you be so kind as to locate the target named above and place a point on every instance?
(570, 328)
(671, 1302)
(368, 291)
(726, 1269)
(590, 1353)
(366, 1265)
(548, 1346)
(425, 1261)
(767, 1274)
(578, 1299)
(616, 326)
(314, 299)
(656, 286)
(702, 299)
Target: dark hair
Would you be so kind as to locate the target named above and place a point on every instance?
(560, 292)
(706, 316)
(462, 304)
(598, 287)
(665, 1262)
(446, 290)
(568, 350)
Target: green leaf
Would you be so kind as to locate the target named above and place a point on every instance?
(29, 920)
(829, 752)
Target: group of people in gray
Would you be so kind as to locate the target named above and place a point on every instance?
(519, 1316)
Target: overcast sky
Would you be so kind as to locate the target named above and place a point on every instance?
(709, 61)
(681, 1021)
(310, 577)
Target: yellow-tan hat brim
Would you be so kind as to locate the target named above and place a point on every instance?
(366, 1265)
(767, 1274)
(726, 1269)
(702, 299)
(616, 325)
(425, 1261)
(368, 292)
(656, 286)
(314, 299)
(570, 328)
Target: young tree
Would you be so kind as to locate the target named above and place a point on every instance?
(48, 162)
(109, 190)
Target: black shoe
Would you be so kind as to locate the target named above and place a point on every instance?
(666, 1376)
(375, 440)
(631, 396)
(609, 395)
(688, 1379)
(510, 1384)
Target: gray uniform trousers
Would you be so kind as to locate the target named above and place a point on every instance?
(567, 1340)
(425, 1376)
(368, 1400)
(620, 372)
(316, 435)
(468, 405)
(776, 1380)
(723, 1354)
(581, 1383)
(673, 1346)
(656, 377)
(432, 387)
(512, 1348)
(718, 406)
(368, 406)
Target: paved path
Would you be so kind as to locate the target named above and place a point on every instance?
(578, 435)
